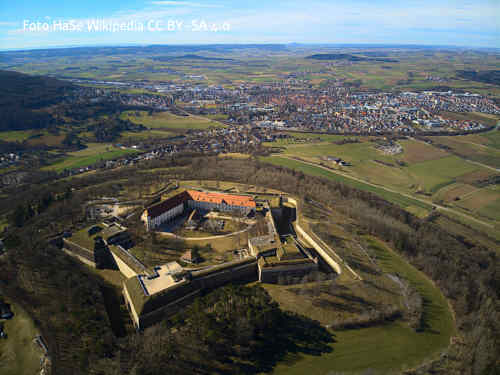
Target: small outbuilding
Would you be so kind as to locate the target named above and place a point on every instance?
(190, 256)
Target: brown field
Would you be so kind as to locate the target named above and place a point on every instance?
(49, 140)
(474, 202)
(416, 151)
(477, 175)
(451, 192)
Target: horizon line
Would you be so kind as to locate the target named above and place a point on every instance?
(318, 44)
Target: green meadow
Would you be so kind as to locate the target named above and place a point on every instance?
(167, 120)
(16, 135)
(92, 154)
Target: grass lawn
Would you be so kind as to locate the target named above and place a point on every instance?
(15, 135)
(88, 156)
(18, 354)
(222, 244)
(168, 120)
(386, 348)
(396, 198)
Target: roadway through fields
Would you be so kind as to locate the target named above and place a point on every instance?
(439, 207)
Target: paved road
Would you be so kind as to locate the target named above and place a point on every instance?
(439, 207)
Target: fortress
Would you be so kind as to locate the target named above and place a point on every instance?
(170, 208)
(152, 294)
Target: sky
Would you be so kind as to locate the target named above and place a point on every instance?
(26, 24)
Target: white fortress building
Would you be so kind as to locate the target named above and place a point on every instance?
(165, 211)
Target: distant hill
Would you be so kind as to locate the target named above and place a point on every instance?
(345, 56)
(485, 76)
(14, 56)
(191, 57)
(23, 97)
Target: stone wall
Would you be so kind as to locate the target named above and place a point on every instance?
(83, 254)
(126, 271)
(273, 275)
(320, 250)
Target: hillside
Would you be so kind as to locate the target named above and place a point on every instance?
(24, 99)
(345, 56)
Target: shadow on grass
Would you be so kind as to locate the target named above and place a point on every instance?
(295, 336)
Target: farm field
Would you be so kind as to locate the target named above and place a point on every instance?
(386, 348)
(34, 137)
(93, 153)
(396, 198)
(169, 121)
(434, 174)
(422, 170)
(147, 134)
(18, 353)
(484, 202)
(473, 148)
(454, 192)
(16, 135)
(415, 151)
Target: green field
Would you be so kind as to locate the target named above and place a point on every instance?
(493, 138)
(16, 135)
(386, 348)
(92, 154)
(167, 120)
(18, 353)
(435, 174)
(146, 134)
(422, 170)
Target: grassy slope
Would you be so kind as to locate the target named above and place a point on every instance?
(92, 154)
(389, 347)
(15, 135)
(18, 354)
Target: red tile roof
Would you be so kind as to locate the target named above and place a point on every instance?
(159, 208)
(233, 200)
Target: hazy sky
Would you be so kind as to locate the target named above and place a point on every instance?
(431, 22)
